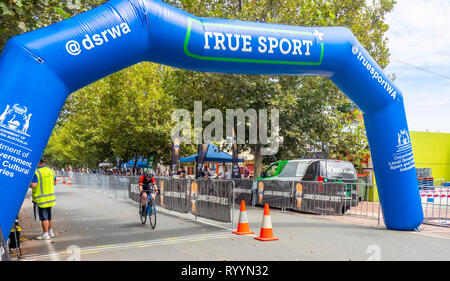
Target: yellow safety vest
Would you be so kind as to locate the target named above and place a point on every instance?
(44, 193)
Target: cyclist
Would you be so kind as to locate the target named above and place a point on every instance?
(147, 186)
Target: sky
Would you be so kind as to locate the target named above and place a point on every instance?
(419, 35)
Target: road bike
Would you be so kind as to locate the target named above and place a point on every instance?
(150, 212)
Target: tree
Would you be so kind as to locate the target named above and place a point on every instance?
(77, 138)
(124, 115)
(19, 16)
(135, 116)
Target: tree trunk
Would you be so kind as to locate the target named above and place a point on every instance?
(118, 164)
(155, 163)
(135, 163)
(257, 160)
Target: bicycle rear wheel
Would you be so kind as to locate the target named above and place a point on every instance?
(152, 215)
(143, 216)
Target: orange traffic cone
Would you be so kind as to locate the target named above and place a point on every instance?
(68, 182)
(64, 180)
(266, 233)
(243, 227)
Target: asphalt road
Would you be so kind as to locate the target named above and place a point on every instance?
(92, 226)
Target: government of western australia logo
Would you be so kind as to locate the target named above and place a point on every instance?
(16, 118)
(403, 158)
(403, 138)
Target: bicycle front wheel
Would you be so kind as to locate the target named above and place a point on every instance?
(152, 216)
(142, 216)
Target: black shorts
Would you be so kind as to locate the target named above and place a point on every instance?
(146, 191)
(45, 214)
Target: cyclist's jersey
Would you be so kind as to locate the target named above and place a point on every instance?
(147, 185)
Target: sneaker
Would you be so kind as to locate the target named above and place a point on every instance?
(51, 234)
(43, 237)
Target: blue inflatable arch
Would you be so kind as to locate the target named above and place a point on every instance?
(39, 69)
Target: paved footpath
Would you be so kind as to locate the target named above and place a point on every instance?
(92, 226)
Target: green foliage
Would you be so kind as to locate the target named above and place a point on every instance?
(19, 16)
(125, 114)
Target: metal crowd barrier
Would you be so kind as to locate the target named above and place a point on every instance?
(368, 205)
(311, 197)
(243, 190)
(215, 199)
(203, 198)
(212, 199)
(278, 194)
(435, 203)
(60, 173)
(174, 194)
(114, 186)
(4, 256)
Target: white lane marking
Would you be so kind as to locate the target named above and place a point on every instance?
(142, 244)
(431, 235)
(51, 249)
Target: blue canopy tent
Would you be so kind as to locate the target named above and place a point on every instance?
(213, 155)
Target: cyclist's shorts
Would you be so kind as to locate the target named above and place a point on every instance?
(148, 191)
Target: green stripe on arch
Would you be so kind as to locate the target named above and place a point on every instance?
(192, 55)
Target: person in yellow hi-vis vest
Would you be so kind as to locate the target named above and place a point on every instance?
(43, 195)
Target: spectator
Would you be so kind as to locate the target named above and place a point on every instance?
(43, 195)
(211, 173)
(246, 173)
(180, 173)
(227, 173)
(221, 174)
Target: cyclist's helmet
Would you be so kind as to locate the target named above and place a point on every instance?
(150, 173)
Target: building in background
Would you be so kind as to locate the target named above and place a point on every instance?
(432, 155)
(432, 159)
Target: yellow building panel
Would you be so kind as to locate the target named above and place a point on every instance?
(432, 150)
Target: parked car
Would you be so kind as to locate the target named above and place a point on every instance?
(318, 170)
